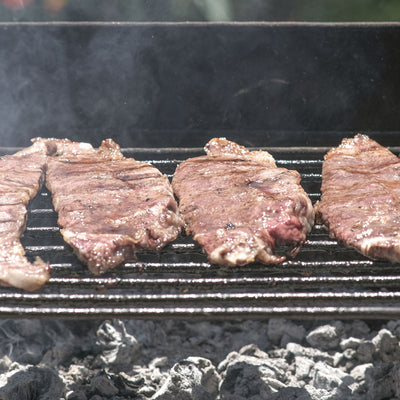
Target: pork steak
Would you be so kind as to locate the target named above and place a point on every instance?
(239, 206)
(109, 206)
(21, 176)
(360, 197)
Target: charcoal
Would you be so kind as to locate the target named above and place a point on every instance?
(146, 391)
(129, 385)
(96, 397)
(158, 362)
(27, 341)
(394, 327)
(354, 352)
(254, 356)
(357, 329)
(295, 349)
(27, 327)
(119, 349)
(291, 393)
(383, 381)
(102, 385)
(350, 343)
(328, 378)
(303, 367)
(325, 337)
(335, 394)
(193, 379)
(252, 350)
(14, 339)
(32, 383)
(79, 395)
(75, 375)
(5, 364)
(60, 354)
(358, 373)
(245, 381)
(247, 376)
(281, 332)
(387, 346)
(365, 351)
(133, 359)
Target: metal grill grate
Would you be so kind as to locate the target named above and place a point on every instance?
(325, 280)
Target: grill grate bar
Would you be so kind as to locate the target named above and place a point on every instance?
(325, 280)
(42, 229)
(220, 313)
(314, 282)
(42, 211)
(283, 299)
(281, 296)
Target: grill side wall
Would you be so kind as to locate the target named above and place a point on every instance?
(160, 84)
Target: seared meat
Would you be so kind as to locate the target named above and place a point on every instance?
(360, 197)
(239, 206)
(21, 176)
(109, 206)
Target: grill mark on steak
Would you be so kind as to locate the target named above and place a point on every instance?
(239, 206)
(109, 206)
(21, 176)
(360, 197)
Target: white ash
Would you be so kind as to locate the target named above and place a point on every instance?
(234, 360)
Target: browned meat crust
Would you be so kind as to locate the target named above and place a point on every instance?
(360, 197)
(239, 206)
(109, 206)
(21, 176)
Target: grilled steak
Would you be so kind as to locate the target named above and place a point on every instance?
(21, 176)
(109, 206)
(360, 197)
(239, 206)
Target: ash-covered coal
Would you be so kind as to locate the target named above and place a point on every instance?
(165, 360)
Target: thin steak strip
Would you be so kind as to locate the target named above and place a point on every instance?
(109, 206)
(360, 197)
(21, 176)
(239, 206)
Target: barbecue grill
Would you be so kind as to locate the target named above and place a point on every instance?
(162, 91)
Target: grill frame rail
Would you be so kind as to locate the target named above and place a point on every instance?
(325, 280)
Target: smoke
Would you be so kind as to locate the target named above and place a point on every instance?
(160, 85)
(34, 84)
(81, 82)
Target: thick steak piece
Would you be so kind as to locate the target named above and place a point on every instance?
(360, 202)
(239, 206)
(21, 176)
(109, 206)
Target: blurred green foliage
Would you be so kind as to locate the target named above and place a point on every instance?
(204, 10)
